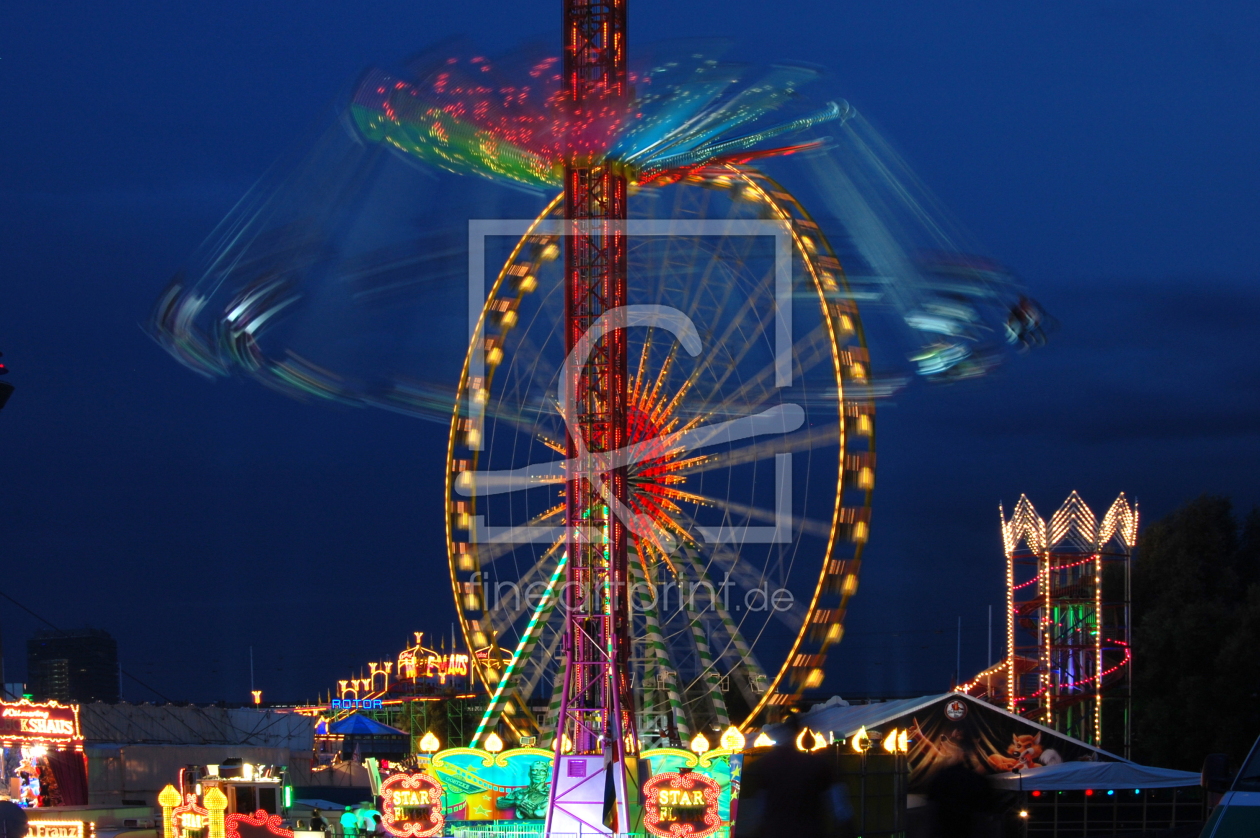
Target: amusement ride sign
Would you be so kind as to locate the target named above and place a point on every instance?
(681, 805)
(422, 664)
(412, 805)
(48, 723)
(188, 820)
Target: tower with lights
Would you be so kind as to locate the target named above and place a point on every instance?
(1068, 662)
(595, 732)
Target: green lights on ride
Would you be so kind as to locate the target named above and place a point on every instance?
(520, 647)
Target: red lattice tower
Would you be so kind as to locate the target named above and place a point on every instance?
(596, 706)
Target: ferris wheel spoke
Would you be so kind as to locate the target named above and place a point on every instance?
(541, 366)
(666, 680)
(490, 552)
(736, 652)
(503, 616)
(752, 579)
(705, 282)
(641, 374)
(663, 511)
(540, 664)
(514, 417)
(760, 294)
(765, 448)
(756, 513)
(759, 383)
(718, 346)
(506, 687)
(793, 616)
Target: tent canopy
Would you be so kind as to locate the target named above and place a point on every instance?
(1074, 776)
(357, 725)
(843, 720)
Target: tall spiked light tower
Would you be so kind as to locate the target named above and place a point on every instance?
(595, 729)
(1068, 639)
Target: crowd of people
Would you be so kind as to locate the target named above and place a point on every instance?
(360, 821)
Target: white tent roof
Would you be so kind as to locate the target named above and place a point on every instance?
(1070, 776)
(843, 720)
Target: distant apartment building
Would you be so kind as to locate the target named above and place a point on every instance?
(79, 666)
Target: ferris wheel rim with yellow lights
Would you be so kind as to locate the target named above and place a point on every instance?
(835, 579)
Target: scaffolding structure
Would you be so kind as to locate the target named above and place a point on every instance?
(596, 715)
(1068, 662)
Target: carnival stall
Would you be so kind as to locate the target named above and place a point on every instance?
(208, 809)
(362, 735)
(42, 748)
(492, 791)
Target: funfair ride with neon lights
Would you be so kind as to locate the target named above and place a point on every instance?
(747, 453)
(778, 507)
(732, 521)
(514, 341)
(1069, 655)
(596, 705)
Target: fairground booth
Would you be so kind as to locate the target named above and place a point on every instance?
(45, 771)
(492, 791)
(1070, 799)
(93, 770)
(1048, 784)
(43, 754)
(458, 791)
(361, 735)
(241, 806)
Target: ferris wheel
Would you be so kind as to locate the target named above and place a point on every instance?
(750, 396)
(751, 461)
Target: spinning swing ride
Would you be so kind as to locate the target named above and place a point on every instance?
(661, 456)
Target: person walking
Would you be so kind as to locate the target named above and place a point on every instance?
(367, 819)
(792, 794)
(349, 823)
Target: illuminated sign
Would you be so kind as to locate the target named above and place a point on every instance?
(681, 805)
(444, 666)
(416, 665)
(412, 805)
(48, 723)
(258, 825)
(55, 829)
(355, 704)
(420, 663)
(188, 817)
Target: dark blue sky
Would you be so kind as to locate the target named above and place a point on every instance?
(1104, 149)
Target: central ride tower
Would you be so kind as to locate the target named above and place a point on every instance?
(594, 782)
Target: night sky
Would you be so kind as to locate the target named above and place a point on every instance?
(1103, 149)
